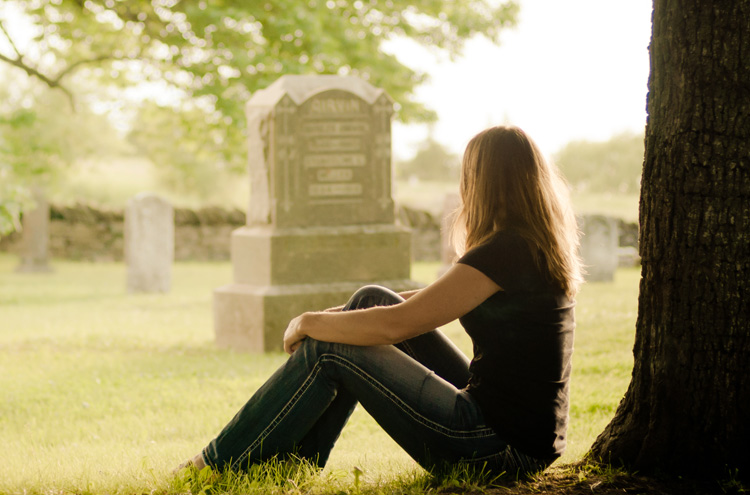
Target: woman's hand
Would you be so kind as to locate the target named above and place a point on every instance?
(293, 336)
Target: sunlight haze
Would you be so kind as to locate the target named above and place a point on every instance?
(569, 70)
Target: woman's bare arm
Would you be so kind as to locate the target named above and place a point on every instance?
(406, 295)
(409, 293)
(456, 293)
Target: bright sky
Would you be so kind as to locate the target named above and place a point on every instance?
(574, 69)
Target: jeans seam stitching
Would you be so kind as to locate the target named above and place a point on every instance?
(282, 414)
(428, 423)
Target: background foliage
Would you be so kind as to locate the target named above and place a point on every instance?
(190, 66)
(433, 161)
(612, 166)
(40, 139)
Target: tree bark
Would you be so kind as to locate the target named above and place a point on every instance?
(687, 410)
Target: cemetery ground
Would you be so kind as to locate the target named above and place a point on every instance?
(105, 392)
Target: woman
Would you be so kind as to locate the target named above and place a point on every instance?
(512, 289)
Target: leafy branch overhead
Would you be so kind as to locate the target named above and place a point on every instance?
(221, 51)
(195, 63)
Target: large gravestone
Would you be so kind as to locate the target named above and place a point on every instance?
(320, 222)
(599, 247)
(149, 243)
(35, 237)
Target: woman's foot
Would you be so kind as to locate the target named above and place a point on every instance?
(196, 463)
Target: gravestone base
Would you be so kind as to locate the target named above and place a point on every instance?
(265, 255)
(254, 318)
(281, 273)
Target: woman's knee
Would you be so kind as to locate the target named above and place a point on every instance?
(373, 295)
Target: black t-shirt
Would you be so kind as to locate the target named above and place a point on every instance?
(523, 342)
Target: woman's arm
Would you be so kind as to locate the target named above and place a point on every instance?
(460, 290)
(409, 293)
(406, 295)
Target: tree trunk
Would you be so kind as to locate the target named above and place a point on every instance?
(687, 410)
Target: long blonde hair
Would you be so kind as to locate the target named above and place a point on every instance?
(506, 184)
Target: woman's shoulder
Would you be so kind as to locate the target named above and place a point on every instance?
(507, 258)
(505, 249)
(506, 241)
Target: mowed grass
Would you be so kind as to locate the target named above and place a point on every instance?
(102, 391)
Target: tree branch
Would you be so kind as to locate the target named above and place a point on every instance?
(52, 83)
(73, 66)
(10, 40)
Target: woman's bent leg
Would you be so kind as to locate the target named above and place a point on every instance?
(277, 418)
(305, 404)
(433, 349)
(431, 419)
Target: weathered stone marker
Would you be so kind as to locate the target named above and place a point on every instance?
(599, 247)
(320, 222)
(35, 237)
(149, 243)
(447, 251)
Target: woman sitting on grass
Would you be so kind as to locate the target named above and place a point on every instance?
(512, 290)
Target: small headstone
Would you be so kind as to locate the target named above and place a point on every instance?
(149, 243)
(35, 237)
(599, 247)
(447, 252)
(628, 257)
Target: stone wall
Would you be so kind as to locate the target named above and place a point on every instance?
(84, 233)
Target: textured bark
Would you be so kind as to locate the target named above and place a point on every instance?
(687, 410)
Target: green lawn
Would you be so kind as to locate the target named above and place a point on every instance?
(104, 392)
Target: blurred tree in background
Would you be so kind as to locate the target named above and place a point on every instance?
(433, 161)
(194, 63)
(607, 166)
(40, 138)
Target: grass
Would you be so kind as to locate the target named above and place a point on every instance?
(102, 391)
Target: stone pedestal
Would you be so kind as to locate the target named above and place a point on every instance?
(149, 243)
(321, 217)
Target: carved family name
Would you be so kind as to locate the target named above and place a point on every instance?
(320, 160)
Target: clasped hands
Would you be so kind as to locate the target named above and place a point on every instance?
(294, 335)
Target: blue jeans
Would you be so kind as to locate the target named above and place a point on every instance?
(414, 390)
